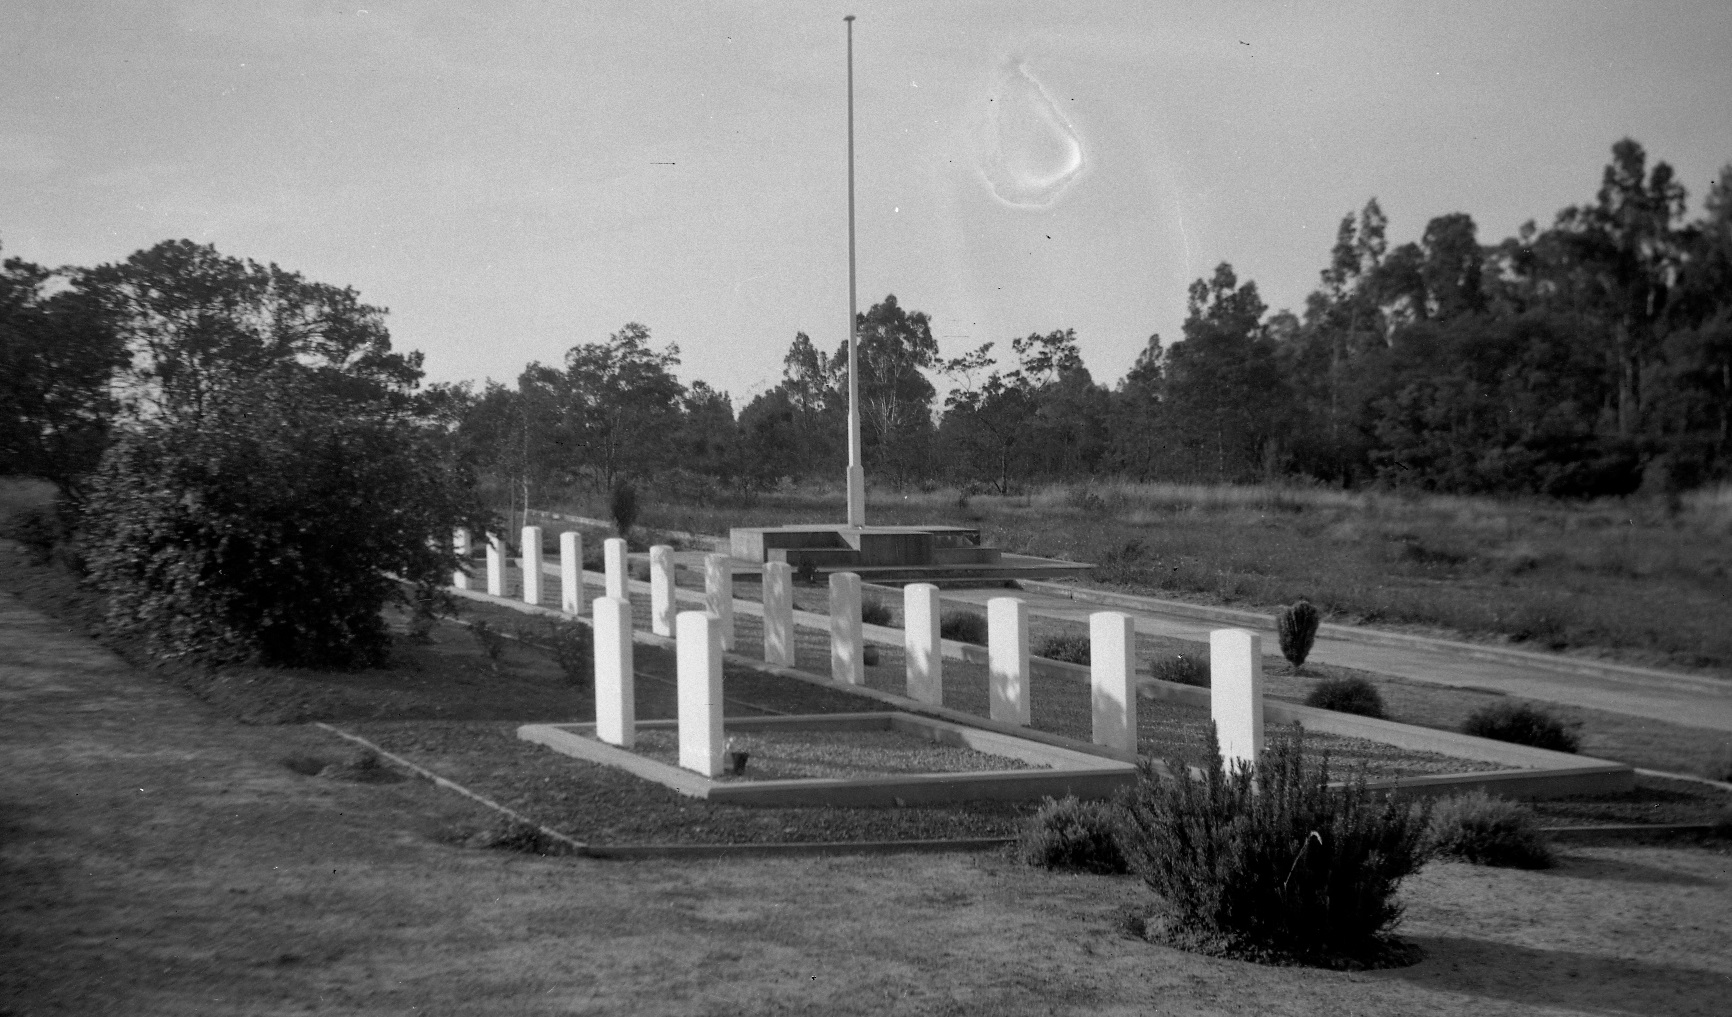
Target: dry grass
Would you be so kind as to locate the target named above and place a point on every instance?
(1641, 580)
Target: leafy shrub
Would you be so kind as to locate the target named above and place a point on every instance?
(1296, 628)
(1066, 646)
(1270, 858)
(1351, 694)
(623, 507)
(1484, 830)
(874, 612)
(962, 627)
(38, 529)
(274, 526)
(1182, 668)
(870, 656)
(806, 574)
(492, 641)
(1067, 833)
(1523, 724)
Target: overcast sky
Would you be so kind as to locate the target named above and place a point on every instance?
(511, 179)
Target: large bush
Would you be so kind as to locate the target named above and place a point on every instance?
(270, 526)
(1270, 859)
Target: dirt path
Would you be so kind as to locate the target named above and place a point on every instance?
(1692, 700)
(158, 859)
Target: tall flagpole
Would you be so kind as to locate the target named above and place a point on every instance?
(856, 469)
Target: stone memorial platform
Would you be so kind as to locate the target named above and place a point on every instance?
(893, 555)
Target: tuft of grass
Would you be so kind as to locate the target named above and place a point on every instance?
(1351, 694)
(1484, 830)
(1182, 668)
(1067, 646)
(962, 627)
(1523, 724)
(1068, 833)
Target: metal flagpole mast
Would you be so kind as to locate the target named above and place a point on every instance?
(856, 469)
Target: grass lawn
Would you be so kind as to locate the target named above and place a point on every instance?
(158, 858)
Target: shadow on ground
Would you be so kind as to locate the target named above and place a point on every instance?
(1562, 979)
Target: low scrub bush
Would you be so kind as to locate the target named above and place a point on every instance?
(1351, 694)
(962, 627)
(1270, 862)
(874, 612)
(1067, 646)
(1068, 833)
(1182, 668)
(274, 526)
(1296, 629)
(1523, 724)
(1484, 830)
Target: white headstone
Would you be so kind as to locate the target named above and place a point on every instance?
(614, 554)
(1007, 659)
(1236, 693)
(571, 572)
(847, 645)
(531, 564)
(719, 594)
(700, 692)
(662, 590)
(615, 695)
(922, 646)
(460, 544)
(495, 565)
(1112, 671)
(779, 613)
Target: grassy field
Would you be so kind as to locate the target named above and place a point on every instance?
(1644, 581)
(156, 857)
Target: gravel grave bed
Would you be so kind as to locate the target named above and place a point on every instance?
(789, 755)
(603, 805)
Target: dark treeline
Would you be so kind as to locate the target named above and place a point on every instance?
(1591, 357)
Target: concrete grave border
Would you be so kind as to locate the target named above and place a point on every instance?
(1532, 774)
(1071, 771)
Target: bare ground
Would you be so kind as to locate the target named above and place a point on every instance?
(158, 858)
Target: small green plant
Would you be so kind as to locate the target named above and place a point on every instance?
(492, 641)
(38, 529)
(1183, 669)
(1072, 647)
(1351, 694)
(1068, 833)
(962, 627)
(875, 612)
(1484, 830)
(1270, 861)
(1523, 724)
(623, 507)
(1296, 628)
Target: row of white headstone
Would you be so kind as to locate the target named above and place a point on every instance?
(1236, 659)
